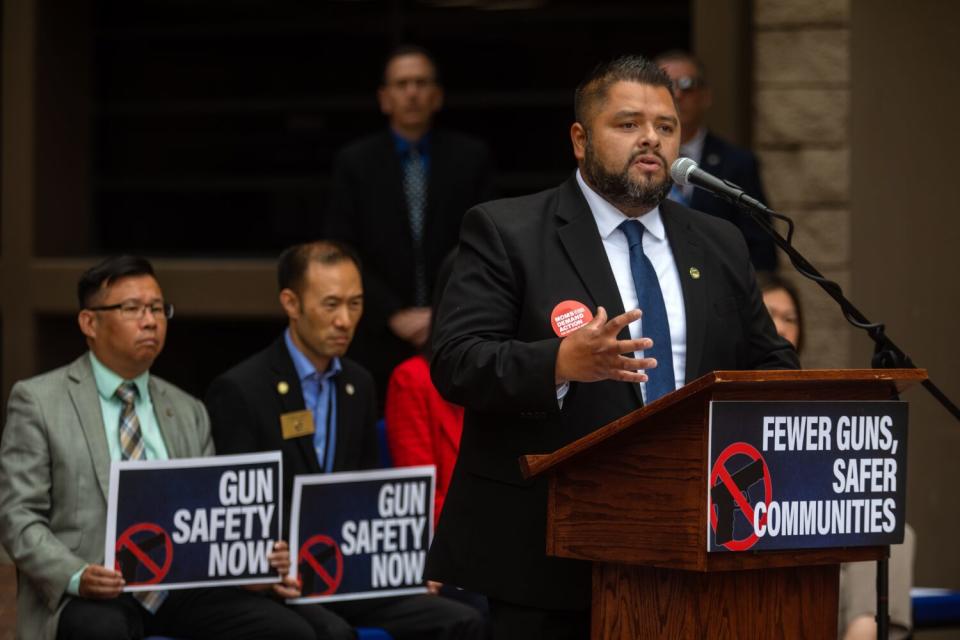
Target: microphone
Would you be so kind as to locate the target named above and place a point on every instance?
(685, 171)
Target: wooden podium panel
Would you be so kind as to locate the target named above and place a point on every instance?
(635, 603)
(631, 497)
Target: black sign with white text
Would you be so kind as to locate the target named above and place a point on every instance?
(802, 475)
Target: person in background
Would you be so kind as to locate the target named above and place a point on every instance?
(422, 427)
(398, 196)
(783, 304)
(322, 295)
(858, 580)
(715, 155)
(63, 429)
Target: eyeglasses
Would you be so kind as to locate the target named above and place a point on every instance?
(687, 83)
(136, 310)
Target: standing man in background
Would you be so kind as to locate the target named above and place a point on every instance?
(398, 198)
(715, 155)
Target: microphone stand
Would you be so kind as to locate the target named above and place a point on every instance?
(886, 354)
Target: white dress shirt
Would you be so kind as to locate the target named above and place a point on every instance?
(657, 249)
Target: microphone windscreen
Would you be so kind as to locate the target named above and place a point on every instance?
(680, 170)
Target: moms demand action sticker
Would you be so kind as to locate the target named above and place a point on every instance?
(361, 534)
(194, 522)
(804, 475)
(568, 316)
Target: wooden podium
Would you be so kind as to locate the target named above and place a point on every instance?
(631, 497)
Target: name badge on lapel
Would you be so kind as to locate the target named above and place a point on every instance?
(296, 424)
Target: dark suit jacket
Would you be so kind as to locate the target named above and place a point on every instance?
(495, 354)
(368, 210)
(245, 405)
(739, 166)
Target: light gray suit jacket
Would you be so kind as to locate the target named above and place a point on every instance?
(54, 478)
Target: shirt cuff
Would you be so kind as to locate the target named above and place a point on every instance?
(73, 587)
(562, 390)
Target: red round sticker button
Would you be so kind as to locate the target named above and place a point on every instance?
(568, 316)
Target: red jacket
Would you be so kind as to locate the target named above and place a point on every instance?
(422, 427)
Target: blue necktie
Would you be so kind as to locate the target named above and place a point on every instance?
(655, 323)
(415, 189)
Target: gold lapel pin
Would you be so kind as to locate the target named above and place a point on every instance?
(282, 388)
(349, 389)
(694, 273)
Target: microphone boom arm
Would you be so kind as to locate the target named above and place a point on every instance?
(886, 355)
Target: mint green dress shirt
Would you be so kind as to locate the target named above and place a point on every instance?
(110, 408)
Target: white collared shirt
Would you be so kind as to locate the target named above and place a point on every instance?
(657, 249)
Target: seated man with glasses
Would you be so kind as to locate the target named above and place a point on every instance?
(62, 431)
(715, 155)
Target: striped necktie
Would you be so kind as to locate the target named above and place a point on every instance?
(132, 448)
(415, 189)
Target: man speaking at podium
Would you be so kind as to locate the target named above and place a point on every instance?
(546, 295)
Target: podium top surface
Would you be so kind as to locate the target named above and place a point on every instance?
(721, 381)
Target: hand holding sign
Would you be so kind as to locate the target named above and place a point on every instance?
(593, 352)
(280, 557)
(100, 583)
(288, 588)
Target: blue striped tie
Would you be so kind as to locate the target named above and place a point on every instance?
(655, 323)
(415, 190)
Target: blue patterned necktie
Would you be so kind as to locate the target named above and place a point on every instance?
(415, 189)
(132, 448)
(655, 323)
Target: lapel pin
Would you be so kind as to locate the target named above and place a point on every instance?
(694, 273)
(349, 389)
(169, 412)
(282, 388)
(713, 159)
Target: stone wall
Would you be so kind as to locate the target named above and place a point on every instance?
(801, 134)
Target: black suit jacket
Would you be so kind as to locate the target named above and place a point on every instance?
(739, 166)
(245, 405)
(368, 210)
(495, 354)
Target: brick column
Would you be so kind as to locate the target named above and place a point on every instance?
(801, 134)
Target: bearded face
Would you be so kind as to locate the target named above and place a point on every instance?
(627, 144)
(622, 186)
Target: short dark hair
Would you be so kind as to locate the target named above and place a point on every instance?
(294, 261)
(410, 50)
(772, 282)
(682, 55)
(593, 89)
(105, 273)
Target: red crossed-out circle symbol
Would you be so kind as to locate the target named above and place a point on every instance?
(321, 546)
(720, 473)
(126, 541)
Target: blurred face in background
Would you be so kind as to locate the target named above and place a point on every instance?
(410, 95)
(692, 94)
(783, 310)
